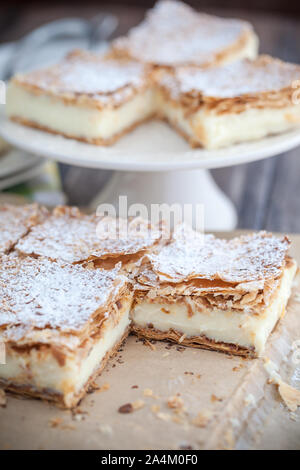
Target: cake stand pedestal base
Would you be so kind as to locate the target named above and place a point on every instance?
(195, 188)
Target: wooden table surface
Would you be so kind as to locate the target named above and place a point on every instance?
(266, 193)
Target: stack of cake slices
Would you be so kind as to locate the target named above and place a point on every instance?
(73, 286)
(198, 72)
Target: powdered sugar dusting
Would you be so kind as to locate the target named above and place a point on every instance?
(239, 78)
(100, 77)
(70, 236)
(90, 75)
(173, 33)
(248, 258)
(40, 293)
(15, 221)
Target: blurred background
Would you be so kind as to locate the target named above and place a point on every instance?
(266, 193)
(18, 17)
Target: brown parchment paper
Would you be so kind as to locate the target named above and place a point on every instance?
(245, 411)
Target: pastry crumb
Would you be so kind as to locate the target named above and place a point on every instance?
(138, 404)
(103, 387)
(155, 408)
(127, 408)
(55, 422)
(78, 411)
(203, 418)
(149, 393)
(175, 402)
(93, 387)
(290, 395)
(214, 398)
(58, 423)
(131, 407)
(239, 367)
(163, 416)
(78, 414)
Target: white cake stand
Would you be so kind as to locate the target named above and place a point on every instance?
(153, 165)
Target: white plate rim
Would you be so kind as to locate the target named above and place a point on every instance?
(72, 152)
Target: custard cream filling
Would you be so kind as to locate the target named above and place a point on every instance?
(244, 329)
(74, 120)
(213, 130)
(41, 370)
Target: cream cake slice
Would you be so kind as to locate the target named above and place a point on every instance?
(174, 34)
(70, 236)
(85, 97)
(16, 222)
(216, 294)
(60, 324)
(239, 102)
